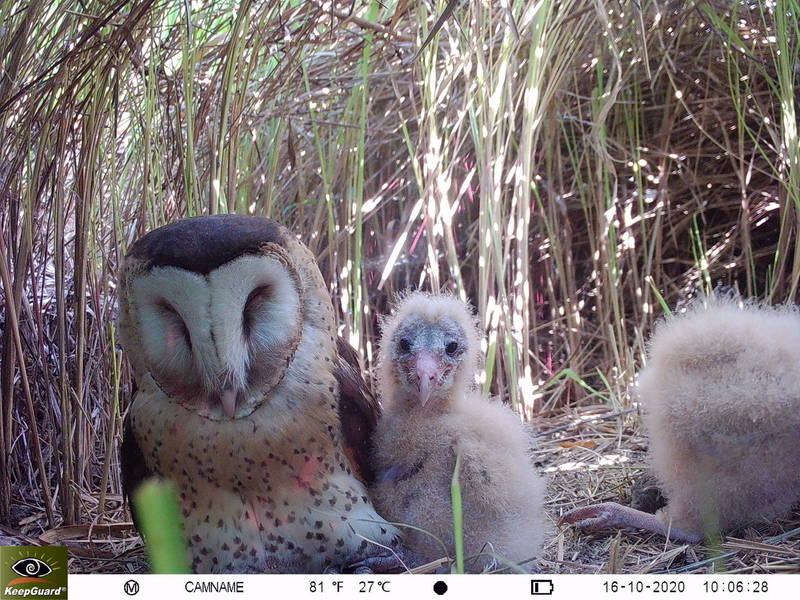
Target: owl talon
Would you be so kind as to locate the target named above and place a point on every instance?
(596, 516)
(611, 514)
(386, 563)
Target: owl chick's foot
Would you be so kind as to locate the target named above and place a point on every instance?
(389, 562)
(363, 571)
(379, 564)
(597, 516)
(611, 514)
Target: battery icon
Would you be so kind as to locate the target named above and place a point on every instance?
(541, 587)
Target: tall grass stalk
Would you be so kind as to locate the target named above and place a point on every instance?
(458, 516)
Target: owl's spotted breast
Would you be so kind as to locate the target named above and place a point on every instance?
(255, 502)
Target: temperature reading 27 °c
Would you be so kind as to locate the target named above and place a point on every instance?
(366, 587)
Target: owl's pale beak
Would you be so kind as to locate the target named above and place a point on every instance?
(427, 371)
(228, 399)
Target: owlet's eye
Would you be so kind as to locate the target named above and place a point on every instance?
(405, 346)
(451, 348)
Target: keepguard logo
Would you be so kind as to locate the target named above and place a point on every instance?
(33, 572)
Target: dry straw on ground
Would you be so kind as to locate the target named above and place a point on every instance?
(568, 166)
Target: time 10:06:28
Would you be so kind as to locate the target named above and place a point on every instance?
(735, 587)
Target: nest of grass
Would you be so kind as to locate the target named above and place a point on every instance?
(588, 456)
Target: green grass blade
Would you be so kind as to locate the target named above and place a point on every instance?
(162, 527)
(458, 516)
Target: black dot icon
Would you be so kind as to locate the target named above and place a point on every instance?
(440, 587)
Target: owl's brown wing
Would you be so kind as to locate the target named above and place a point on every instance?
(134, 468)
(358, 411)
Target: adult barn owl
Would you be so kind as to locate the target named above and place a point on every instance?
(243, 401)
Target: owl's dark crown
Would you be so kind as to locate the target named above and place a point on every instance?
(201, 244)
